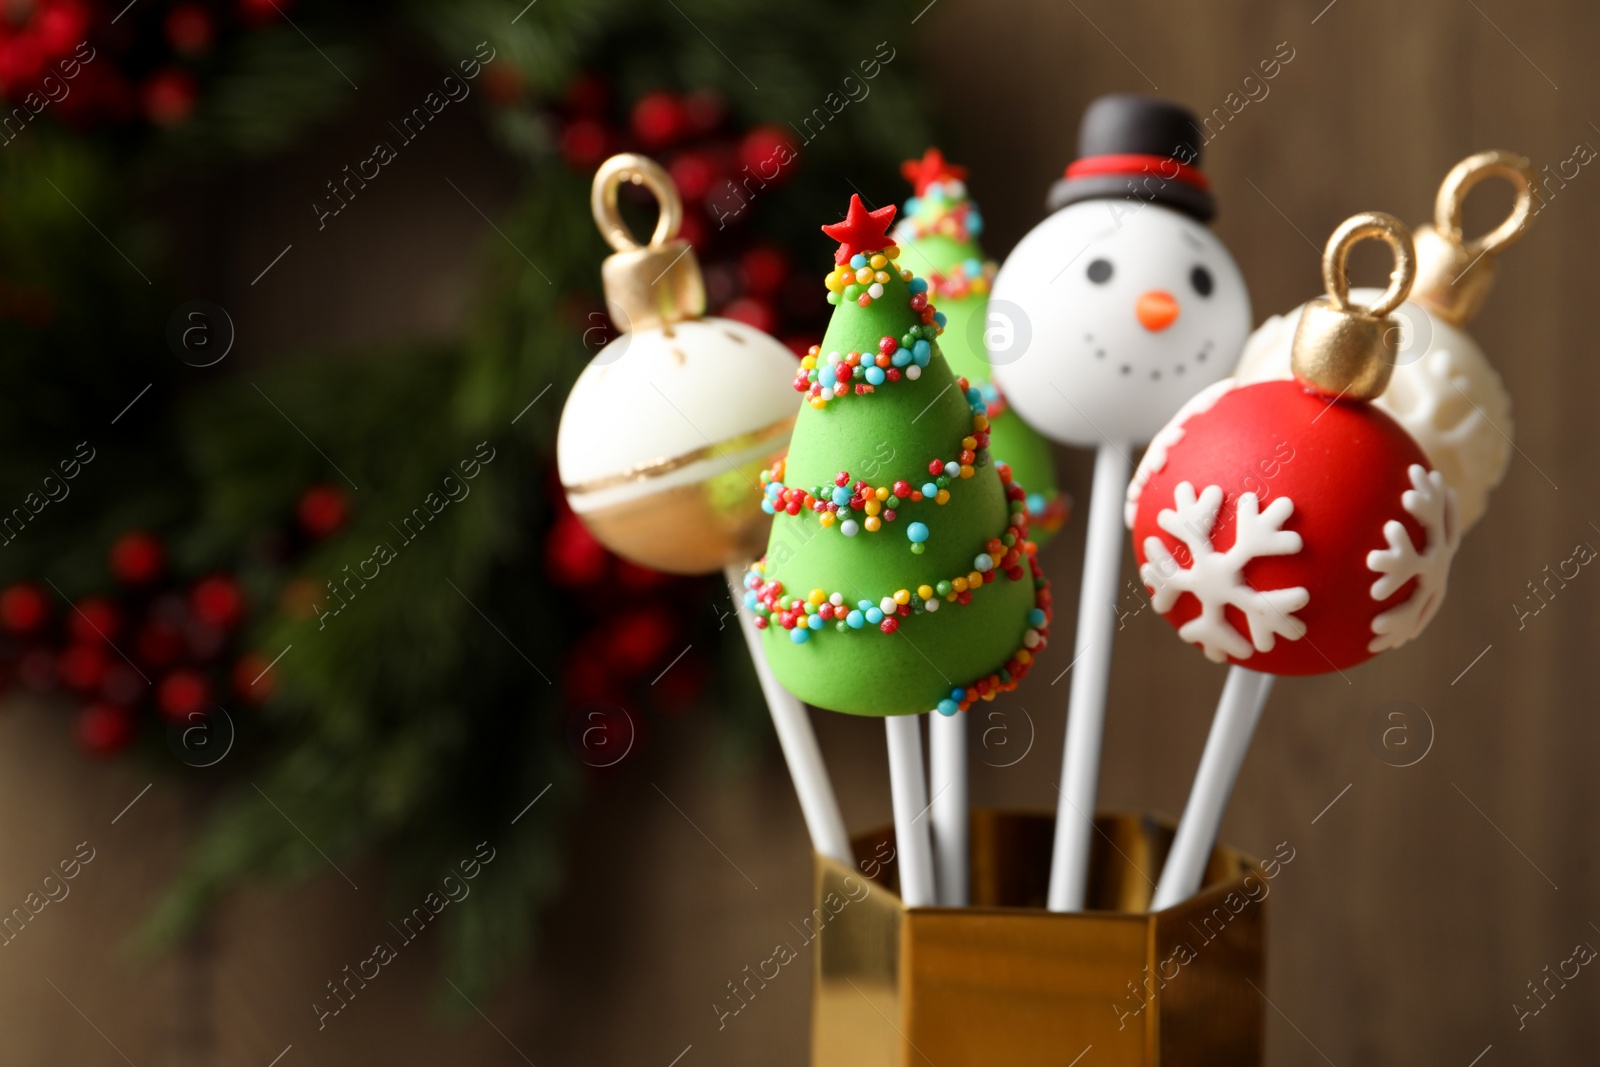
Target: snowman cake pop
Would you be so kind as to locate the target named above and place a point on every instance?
(1444, 391)
(1104, 320)
(1123, 303)
(667, 429)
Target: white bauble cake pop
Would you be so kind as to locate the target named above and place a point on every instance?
(666, 432)
(1444, 392)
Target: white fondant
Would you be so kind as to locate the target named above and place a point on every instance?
(1433, 504)
(1071, 354)
(1155, 457)
(1444, 392)
(648, 397)
(1216, 579)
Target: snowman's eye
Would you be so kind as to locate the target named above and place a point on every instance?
(1200, 278)
(1100, 271)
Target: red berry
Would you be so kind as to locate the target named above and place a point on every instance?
(752, 311)
(936, 467)
(763, 269)
(322, 510)
(136, 558)
(638, 639)
(103, 729)
(890, 624)
(23, 607)
(169, 96)
(572, 556)
(693, 173)
(902, 489)
(658, 118)
(217, 601)
(190, 29)
(766, 151)
(584, 144)
(82, 667)
(251, 678)
(181, 694)
(261, 12)
(93, 620)
(888, 346)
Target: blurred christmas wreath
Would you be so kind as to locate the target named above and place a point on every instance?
(185, 578)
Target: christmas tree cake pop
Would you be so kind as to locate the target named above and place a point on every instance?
(899, 577)
(938, 234)
(1444, 391)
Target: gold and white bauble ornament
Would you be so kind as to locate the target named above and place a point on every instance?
(665, 434)
(1443, 389)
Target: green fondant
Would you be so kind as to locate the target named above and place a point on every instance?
(887, 435)
(1012, 441)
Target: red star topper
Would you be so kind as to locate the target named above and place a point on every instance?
(861, 230)
(931, 168)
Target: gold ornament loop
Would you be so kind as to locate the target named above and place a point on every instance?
(1344, 350)
(636, 170)
(1452, 198)
(1369, 225)
(647, 286)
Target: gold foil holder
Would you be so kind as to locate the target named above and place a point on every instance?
(1005, 982)
(1342, 349)
(1454, 275)
(651, 285)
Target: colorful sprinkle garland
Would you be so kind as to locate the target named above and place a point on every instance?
(952, 215)
(838, 374)
(1006, 554)
(972, 277)
(839, 504)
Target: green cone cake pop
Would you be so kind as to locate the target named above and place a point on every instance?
(939, 233)
(899, 577)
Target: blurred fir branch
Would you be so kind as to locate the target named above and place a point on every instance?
(411, 725)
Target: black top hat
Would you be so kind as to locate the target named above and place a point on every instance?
(1138, 148)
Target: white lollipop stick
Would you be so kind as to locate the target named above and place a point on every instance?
(1091, 667)
(908, 787)
(947, 764)
(812, 785)
(1243, 696)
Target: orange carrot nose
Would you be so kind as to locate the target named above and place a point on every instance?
(1156, 310)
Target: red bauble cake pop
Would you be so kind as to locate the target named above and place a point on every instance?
(1291, 527)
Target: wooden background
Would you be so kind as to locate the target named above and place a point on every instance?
(1422, 899)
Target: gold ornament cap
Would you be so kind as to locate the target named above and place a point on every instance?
(1454, 275)
(646, 286)
(1344, 350)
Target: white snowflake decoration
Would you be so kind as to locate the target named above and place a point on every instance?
(1433, 505)
(1216, 579)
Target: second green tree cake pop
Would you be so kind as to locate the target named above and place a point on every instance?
(939, 233)
(899, 578)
